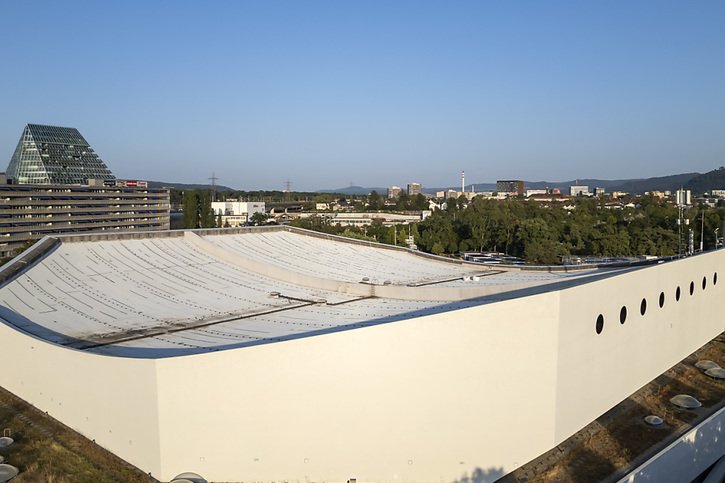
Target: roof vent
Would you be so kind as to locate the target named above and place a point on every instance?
(365, 279)
(685, 401)
(653, 420)
(8, 472)
(274, 294)
(716, 372)
(705, 364)
(188, 477)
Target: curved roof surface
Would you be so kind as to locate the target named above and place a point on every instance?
(171, 293)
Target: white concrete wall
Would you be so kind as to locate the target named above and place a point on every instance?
(435, 398)
(426, 399)
(597, 371)
(108, 399)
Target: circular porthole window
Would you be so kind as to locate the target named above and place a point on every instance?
(643, 307)
(677, 294)
(662, 299)
(714, 278)
(692, 288)
(623, 314)
(704, 282)
(600, 324)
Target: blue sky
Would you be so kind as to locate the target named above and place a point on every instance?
(328, 93)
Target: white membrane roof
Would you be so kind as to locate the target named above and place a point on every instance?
(161, 296)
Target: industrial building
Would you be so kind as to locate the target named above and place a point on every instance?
(277, 354)
(510, 187)
(236, 213)
(350, 218)
(579, 190)
(55, 183)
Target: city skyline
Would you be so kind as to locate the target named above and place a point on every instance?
(327, 94)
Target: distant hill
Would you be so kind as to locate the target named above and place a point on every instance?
(712, 180)
(663, 183)
(697, 182)
(184, 186)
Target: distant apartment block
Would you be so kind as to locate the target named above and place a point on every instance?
(599, 191)
(444, 195)
(579, 191)
(718, 193)
(236, 213)
(29, 212)
(394, 191)
(510, 187)
(415, 189)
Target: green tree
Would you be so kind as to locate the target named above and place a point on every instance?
(191, 210)
(206, 215)
(375, 202)
(258, 218)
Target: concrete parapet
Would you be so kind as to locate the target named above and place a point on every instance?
(18, 264)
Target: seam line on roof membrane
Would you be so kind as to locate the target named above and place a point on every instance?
(454, 279)
(149, 333)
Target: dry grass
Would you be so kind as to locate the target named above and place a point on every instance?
(47, 451)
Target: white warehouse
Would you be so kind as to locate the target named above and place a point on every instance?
(236, 213)
(276, 354)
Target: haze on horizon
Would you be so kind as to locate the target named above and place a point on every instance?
(329, 93)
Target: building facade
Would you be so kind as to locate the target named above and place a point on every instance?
(579, 191)
(55, 183)
(415, 189)
(236, 213)
(512, 187)
(55, 155)
(394, 191)
(29, 212)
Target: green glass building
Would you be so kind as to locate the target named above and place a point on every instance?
(55, 155)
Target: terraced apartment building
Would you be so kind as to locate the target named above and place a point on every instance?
(55, 183)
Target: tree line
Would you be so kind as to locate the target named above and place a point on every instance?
(544, 234)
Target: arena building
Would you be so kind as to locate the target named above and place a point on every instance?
(276, 354)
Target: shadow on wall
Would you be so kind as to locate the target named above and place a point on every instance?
(482, 476)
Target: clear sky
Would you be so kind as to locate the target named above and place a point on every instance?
(325, 93)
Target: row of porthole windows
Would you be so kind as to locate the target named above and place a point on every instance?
(599, 326)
